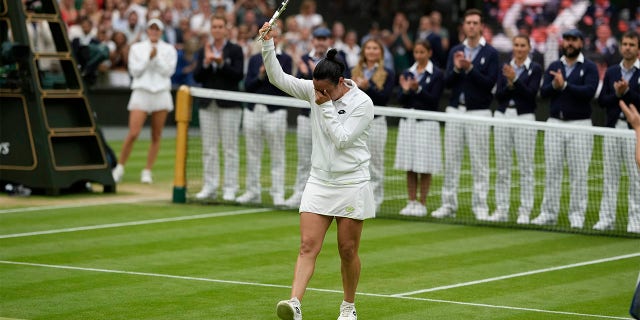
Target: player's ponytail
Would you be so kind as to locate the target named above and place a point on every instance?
(330, 68)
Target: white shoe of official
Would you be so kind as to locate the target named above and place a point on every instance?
(603, 226)
(293, 201)
(146, 177)
(406, 211)
(278, 200)
(418, 210)
(523, 216)
(249, 197)
(228, 196)
(443, 212)
(544, 219)
(118, 173)
(499, 216)
(289, 310)
(348, 312)
(207, 192)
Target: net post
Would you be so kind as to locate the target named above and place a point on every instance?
(183, 116)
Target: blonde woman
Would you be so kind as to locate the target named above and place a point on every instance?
(377, 82)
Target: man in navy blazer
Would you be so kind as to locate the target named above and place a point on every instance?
(472, 72)
(621, 82)
(570, 83)
(220, 65)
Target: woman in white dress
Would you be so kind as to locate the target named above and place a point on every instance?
(151, 64)
(338, 186)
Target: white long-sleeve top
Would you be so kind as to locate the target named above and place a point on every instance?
(152, 74)
(339, 129)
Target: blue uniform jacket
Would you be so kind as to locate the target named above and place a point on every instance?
(572, 103)
(478, 83)
(254, 84)
(428, 98)
(524, 91)
(608, 98)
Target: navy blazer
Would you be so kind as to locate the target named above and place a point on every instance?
(428, 98)
(380, 97)
(574, 102)
(254, 84)
(608, 98)
(478, 83)
(524, 91)
(225, 77)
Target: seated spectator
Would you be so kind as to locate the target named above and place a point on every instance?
(119, 73)
(186, 64)
(308, 18)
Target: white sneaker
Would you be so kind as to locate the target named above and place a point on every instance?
(499, 216)
(482, 214)
(278, 200)
(523, 219)
(406, 211)
(603, 226)
(443, 212)
(289, 310)
(228, 196)
(348, 312)
(207, 192)
(418, 210)
(293, 201)
(118, 173)
(249, 197)
(145, 176)
(544, 219)
(633, 229)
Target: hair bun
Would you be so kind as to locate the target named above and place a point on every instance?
(331, 54)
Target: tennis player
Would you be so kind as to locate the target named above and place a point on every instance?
(338, 186)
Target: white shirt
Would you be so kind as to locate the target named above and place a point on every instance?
(339, 128)
(152, 74)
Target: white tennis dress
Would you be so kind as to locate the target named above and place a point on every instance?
(338, 184)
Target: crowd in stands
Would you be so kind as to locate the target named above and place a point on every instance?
(117, 24)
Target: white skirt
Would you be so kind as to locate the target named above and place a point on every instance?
(150, 101)
(354, 201)
(418, 147)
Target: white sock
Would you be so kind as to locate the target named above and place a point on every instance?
(295, 300)
(344, 303)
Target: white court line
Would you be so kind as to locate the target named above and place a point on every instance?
(257, 284)
(80, 204)
(136, 223)
(521, 274)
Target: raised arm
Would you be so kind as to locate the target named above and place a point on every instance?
(633, 117)
(293, 86)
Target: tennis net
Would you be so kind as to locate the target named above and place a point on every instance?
(485, 170)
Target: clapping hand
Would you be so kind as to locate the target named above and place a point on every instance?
(558, 79)
(631, 113)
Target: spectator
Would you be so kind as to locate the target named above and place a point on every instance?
(401, 43)
(186, 64)
(418, 145)
(605, 45)
(134, 30)
(377, 81)
(425, 32)
(220, 65)
(570, 83)
(351, 48)
(68, 12)
(151, 63)
(118, 72)
(516, 93)
(338, 34)
(200, 22)
(308, 18)
(621, 83)
(437, 28)
(472, 71)
(171, 34)
(265, 122)
(120, 16)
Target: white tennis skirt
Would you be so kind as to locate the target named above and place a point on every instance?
(418, 147)
(354, 201)
(150, 101)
